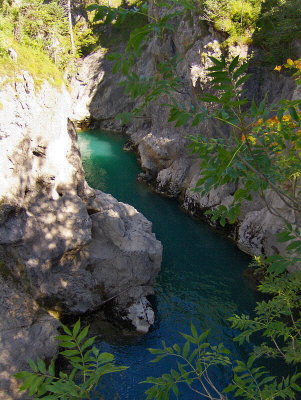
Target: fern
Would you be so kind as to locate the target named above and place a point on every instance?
(87, 364)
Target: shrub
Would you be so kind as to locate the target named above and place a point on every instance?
(87, 364)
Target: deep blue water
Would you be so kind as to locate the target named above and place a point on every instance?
(201, 280)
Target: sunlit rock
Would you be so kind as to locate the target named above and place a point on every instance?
(166, 160)
(65, 247)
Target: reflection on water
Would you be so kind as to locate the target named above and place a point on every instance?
(201, 278)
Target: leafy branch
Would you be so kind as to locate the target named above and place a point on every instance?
(88, 366)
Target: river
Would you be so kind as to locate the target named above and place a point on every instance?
(201, 280)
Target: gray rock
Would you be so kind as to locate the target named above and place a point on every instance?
(26, 332)
(165, 158)
(64, 247)
(124, 255)
(13, 54)
(72, 261)
(142, 315)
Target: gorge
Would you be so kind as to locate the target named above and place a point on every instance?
(201, 280)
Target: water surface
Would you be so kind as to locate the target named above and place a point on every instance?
(202, 272)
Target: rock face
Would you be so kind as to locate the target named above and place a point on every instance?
(26, 332)
(166, 161)
(64, 246)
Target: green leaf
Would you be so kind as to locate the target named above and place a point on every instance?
(23, 375)
(88, 343)
(68, 345)
(242, 80)
(210, 99)
(57, 387)
(280, 114)
(105, 358)
(83, 334)
(63, 337)
(241, 70)
(42, 366)
(155, 351)
(36, 382)
(158, 358)
(233, 64)
(186, 349)
(230, 388)
(219, 74)
(51, 368)
(76, 328)
(177, 349)
(203, 336)
(175, 390)
(33, 365)
(69, 352)
(284, 236)
(191, 339)
(293, 246)
(193, 331)
(111, 15)
(195, 353)
(27, 382)
(293, 113)
(219, 63)
(197, 119)
(250, 361)
(67, 330)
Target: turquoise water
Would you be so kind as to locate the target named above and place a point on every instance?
(202, 272)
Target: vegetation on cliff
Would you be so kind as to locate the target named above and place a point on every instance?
(45, 38)
(37, 37)
(40, 35)
(272, 25)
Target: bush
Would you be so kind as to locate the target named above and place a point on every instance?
(235, 17)
(278, 25)
(87, 364)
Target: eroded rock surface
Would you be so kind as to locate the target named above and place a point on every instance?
(64, 246)
(166, 161)
(26, 332)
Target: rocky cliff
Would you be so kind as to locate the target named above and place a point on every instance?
(64, 246)
(166, 161)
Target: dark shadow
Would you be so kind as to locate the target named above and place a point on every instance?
(278, 31)
(106, 96)
(276, 38)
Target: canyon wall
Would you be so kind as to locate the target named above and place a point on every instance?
(166, 161)
(65, 248)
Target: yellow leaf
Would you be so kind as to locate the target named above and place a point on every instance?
(252, 139)
(298, 64)
(289, 61)
(277, 68)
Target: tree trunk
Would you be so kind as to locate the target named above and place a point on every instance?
(70, 27)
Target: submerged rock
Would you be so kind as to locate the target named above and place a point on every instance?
(141, 314)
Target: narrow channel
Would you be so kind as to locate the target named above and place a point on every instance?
(201, 279)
